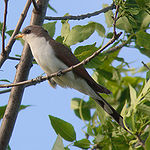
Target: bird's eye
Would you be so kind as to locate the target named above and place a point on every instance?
(27, 31)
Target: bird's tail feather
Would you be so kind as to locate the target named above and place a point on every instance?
(110, 110)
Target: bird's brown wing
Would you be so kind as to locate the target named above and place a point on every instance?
(63, 53)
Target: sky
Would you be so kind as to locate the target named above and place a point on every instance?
(33, 129)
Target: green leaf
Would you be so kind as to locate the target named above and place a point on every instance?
(84, 143)
(79, 34)
(124, 110)
(148, 75)
(23, 107)
(8, 148)
(63, 128)
(108, 16)
(5, 80)
(82, 52)
(81, 111)
(142, 39)
(101, 114)
(143, 68)
(144, 91)
(99, 138)
(90, 131)
(105, 73)
(65, 30)
(133, 96)
(124, 24)
(100, 29)
(59, 39)
(132, 80)
(66, 148)
(58, 145)
(147, 143)
(50, 27)
(145, 109)
(53, 9)
(109, 35)
(3, 108)
(1, 26)
(146, 21)
(10, 32)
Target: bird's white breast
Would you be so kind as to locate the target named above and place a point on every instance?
(45, 57)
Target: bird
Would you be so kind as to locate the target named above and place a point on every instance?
(53, 56)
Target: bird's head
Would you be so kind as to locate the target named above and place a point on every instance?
(32, 32)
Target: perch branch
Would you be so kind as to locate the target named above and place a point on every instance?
(84, 16)
(85, 61)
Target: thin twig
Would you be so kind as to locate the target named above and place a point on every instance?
(94, 147)
(16, 30)
(16, 58)
(5, 91)
(15, 98)
(115, 18)
(113, 49)
(80, 17)
(141, 142)
(13, 58)
(145, 65)
(8, 90)
(4, 28)
(35, 5)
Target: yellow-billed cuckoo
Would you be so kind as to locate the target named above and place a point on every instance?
(53, 57)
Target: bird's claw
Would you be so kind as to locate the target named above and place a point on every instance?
(39, 79)
(59, 73)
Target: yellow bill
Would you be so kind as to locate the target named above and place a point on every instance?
(20, 35)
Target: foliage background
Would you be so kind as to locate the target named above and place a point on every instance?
(33, 124)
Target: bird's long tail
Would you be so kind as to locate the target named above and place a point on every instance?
(110, 110)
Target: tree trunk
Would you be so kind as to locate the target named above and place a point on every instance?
(22, 72)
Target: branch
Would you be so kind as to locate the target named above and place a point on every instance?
(4, 28)
(22, 72)
(95, 147)
(115, 18)
(35, 5)
(84, 16)
(5, 91)
(13, 58)
(145, 65)
(12, 40)
(8, 90)
(85, 61)
(113, 49)
(141, 142)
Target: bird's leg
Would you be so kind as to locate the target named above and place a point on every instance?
(39, 79)
(59, 73)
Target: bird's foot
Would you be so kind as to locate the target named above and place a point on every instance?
(39, 79)
(59, 73)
